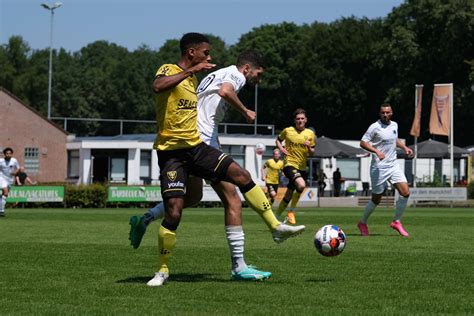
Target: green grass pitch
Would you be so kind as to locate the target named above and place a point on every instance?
(79, 261)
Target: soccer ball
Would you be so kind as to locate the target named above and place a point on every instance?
(260, 148)
(330, 240)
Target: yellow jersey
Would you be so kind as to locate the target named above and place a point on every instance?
(294, 144)
(176, 113)
(274, 168)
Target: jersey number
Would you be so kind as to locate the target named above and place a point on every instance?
(206, 83)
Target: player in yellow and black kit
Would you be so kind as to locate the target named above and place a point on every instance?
(272, 177)
(299, 143)
(182, 153)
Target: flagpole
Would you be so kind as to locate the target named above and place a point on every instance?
(451, 134)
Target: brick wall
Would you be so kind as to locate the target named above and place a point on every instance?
(21, 127)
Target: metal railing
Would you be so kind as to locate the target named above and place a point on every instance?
(226, 128)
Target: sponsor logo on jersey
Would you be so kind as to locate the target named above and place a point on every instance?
(185, 104)
(171, 175)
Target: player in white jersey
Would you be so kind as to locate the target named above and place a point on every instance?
(216, 92)
(9, 167)
(381, 139)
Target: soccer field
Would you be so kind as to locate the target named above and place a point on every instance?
(79, 261)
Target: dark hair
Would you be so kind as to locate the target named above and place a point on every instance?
(385, 105)
(7, 149)
(252, 57)
(299, 111)
(191, 39)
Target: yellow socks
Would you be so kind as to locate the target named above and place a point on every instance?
(282, 207)
(294, 199)
(166, 242)
(259, 203)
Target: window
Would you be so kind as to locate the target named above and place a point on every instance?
(32, 159)
(349, 168)
(237, 152)
(145, 166)
(118, 170)
(73, 164)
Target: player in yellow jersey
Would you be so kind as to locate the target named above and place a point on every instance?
(182, 153)
(274, 167)
(299, 143)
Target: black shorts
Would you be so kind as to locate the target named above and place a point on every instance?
(292, 174)
(272, 187)
(202, 161)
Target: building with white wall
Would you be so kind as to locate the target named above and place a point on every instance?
(129, 159)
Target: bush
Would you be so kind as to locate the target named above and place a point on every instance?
(470, 190)
(88, 196)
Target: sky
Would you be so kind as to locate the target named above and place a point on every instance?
(131, 23)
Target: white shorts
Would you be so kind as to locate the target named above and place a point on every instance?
(212, 141)
(380, 176)
(4, 183)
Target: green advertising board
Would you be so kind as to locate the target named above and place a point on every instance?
(134, 194)
(36, 194)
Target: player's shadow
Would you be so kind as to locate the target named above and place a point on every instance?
(178, 277)
(359, 235)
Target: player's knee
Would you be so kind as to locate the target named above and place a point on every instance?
(376, 199)
(238, 175)
(273, 194)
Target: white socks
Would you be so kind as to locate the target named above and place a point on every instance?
(400, 207)
(156, 212)
(236, 241)
(3, 201)
(368, 210)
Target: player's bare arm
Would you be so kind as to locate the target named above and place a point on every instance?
(279, 144)
(162, 83)
(311, 149)
(367, 146)
(404, 147)
(227, 92)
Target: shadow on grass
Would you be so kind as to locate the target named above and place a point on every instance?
(371, 235)
(179, 277)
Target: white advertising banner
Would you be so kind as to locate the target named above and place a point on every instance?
(438, 194)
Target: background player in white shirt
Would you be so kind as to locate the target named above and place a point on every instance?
(9, 167)
(381, 139)
(216, 92)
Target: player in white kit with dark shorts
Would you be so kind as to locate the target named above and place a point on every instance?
(381, 139)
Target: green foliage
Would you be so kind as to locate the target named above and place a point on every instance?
(70, 262)
(339, 72)
(85, 196)
(470, 190)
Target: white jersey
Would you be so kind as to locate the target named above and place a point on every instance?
(383, 138)
(211, 106)
(6, 169)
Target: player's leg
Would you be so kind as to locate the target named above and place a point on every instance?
(378, 180)
(257, 200)
(399, 180)
(300, 185)
(139, 224)
(272, 189)
(211, 164)
(234, 233)
(3, 200)
(286, 200)
(173, 183)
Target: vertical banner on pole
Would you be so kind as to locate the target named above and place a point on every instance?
(416, 125)
(442, 117)
(440, 109)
